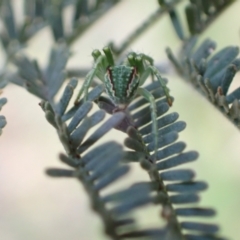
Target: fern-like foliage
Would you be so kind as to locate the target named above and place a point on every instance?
(170, 154)
(3, 121)
(41, 13)
(212, 75)
(43, 83)
(38, 14)
(99, 166)
(199, 15)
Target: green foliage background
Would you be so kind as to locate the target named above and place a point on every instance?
(36, 207)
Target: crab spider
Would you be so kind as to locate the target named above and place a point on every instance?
(123, 82)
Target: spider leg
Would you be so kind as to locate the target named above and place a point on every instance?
(146, 94)
(155, 72)
(141, 61)
(88, 80)
(135, 60)
(99, 68)
(145, 71)
(147, 58)
(150, 62)
(85, 86)
(109, 56)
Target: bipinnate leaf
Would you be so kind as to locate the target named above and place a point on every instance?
(42, 83)
(211, 75)
(3, 121)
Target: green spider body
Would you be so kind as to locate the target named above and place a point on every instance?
(123, 82)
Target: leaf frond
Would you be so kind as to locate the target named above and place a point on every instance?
(43, 83)
(173, 187)
(3, 121)
(212, 75)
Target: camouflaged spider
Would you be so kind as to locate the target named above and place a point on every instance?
(123, 82)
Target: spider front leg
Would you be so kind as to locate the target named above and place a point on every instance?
(146, 69)
(149, 97)
(155, 72)
(101, 63)
(85, 86)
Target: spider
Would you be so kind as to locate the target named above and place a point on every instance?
(123, 82)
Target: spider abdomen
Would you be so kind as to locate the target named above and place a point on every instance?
(121, 83)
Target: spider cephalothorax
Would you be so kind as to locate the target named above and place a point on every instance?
(123, 82)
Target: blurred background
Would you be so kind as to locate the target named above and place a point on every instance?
(34, 206)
